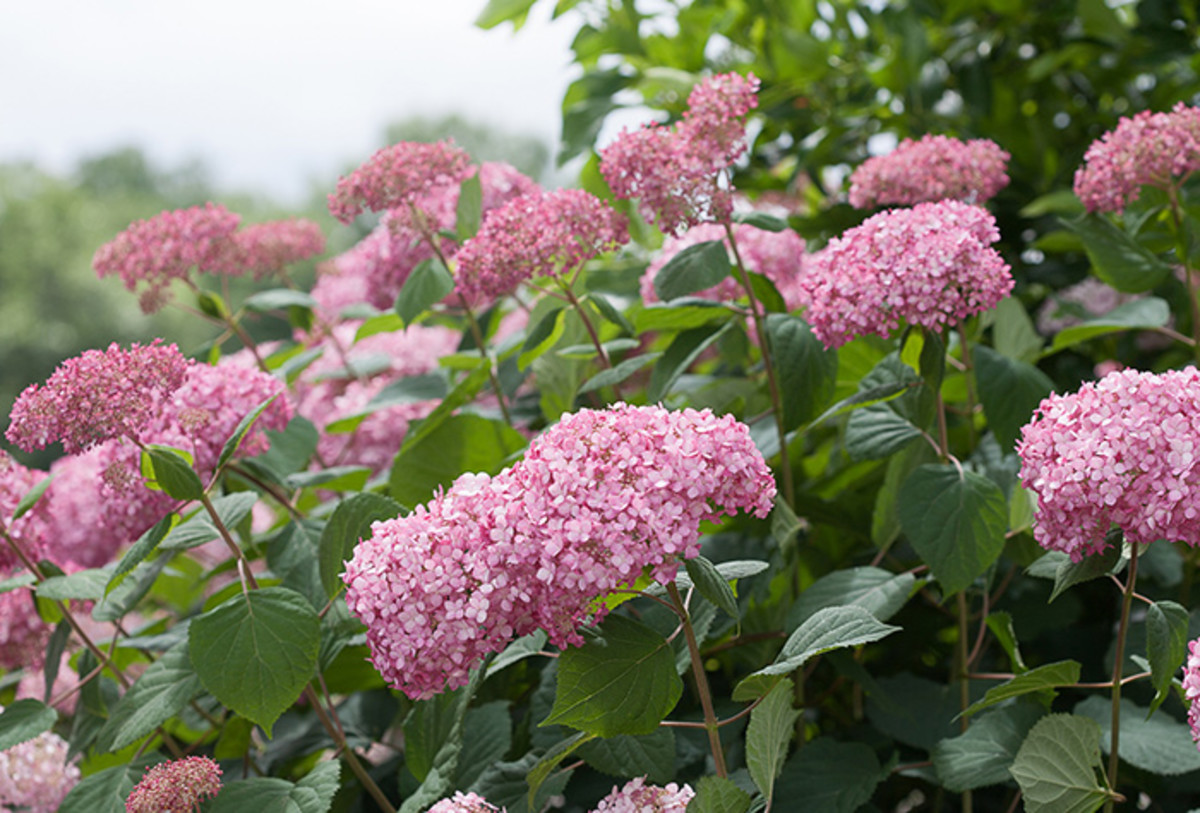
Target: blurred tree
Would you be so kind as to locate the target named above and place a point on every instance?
(527, 153)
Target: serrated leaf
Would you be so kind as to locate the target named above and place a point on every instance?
(125, 596)
(241, 430)
(682, 314)
(102, 792)
(830, 776)
(649, 755)
(716, 794)
(462, 443)
(767, 736)
(463, 391)
(1166, 645)
(1154, 743)
(680, 355)
(440, 779)
(524, 647)
(490, 738)
(23, 720)
(884, 426)
(312, 794)
(256, 652)
(1046, 677)
(1010, 391)
(428, 283)
(621, 681)
(695, 268)
(983, 755)
(610, 312)
(1116, 256)
(711, 584)
(351, 521)
(84, 585)
(170, 471)
(807, 372)
(199, 528)
(158, 695)
(878, 591)
(1056, 766)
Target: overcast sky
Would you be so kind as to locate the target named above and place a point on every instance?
(270, 94)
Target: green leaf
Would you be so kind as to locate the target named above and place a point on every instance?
(716, 794)
(22, 579)
(1069, 574)
(125, 596)
(1047, 677)
(463, 391)
(830, 776)
(381, 323)
(878, 591)
(1166, 645)
(462, 443)
(1010, 391)
(1013, 332)
(696, 268)
(1141, 314)
(491, 737)
(469, 212)
(956, 520)
(1001, 625)
(440, 779)
(886, 425)
(102, 792)
(682, 352)
(32, 496)
(427, 728)
(524, 647)
(1056, 766)
(542, 336)
(290, 450)
(278, 299)
(825, 630)
(85, 585)
(618, 373)
(711, 584)
(682, 314)
(199, 528)
(807, 372)
(142, 548)
(761, 220)
(170, 471)
(767, 294)
(866, 398)
(650, 755)
(505, 784)
(983, 755)
(241, 430)
(610, 312)
(767, 736)
(429, 282)
(502, 11)
(621, 681)
(546, 764)
(256, 652)
(334, 478)
(911, 709)
(351, 521)
(23, 720)
(1157, 743)
(158, 695)
(1116, 256)
(312, 794)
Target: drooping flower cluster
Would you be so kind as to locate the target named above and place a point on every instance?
(98, 395)
(930, 265)
(778, 256)
(267, 248)
(396, 176)
(599, 498)
(1148, 149)
(935, 168)
(638, 797)
(1191, 688)
(1122, 451)
(534, 236)
(177, 786)
(35, 775)
(674, 172)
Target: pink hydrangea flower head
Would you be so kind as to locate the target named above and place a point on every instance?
(35, 776)
(1148, 149)
(15, 482)
(177, 786)
(778, 256)
(23, 634)
(267, 248)
(674, 172)
(935, 168)
(638, 797)
(395, 176)
(533, 236)
(96, 396)
(1191, 688)
(930, 265)
(1121, 451)
(167, 246)
(466, 803)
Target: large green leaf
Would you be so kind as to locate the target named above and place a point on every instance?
(170, 470)
(199, 527)
(767, 737)
(1141, 314)
(1056, 766)
(469, 211)
(1046, 677)
(983, 755)
(693, 269)
(830, 777)
(621, 681)
(104, 791)
(157, 696)
(806, 371)
(711, 584)
(351, 521)
(1155, 743)
(650, 755)
(680, 355)
(23, 720)
(490, 727)
(440, 778)
(880, 592)
(1166, 645)
(256, 652)
(462, 443)
(428, 283)
(894, 413)
(716, 794)
(956, 521)
(1010, 391)
(1116, 256)
(312, 794)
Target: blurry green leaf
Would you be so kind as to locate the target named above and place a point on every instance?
(1117, 257)
(32, 496)
(469, 212)
(1013, 332)
(241, 430)
(550, 760)
(503, 11)
(682, 314)
(1152, 742)
(1141, 314)
(711, 584)
(199, 528)
(679, 356)
(462, 443)
(1010, 391)
(761, 220)
(880, 592)
(650, 755)
(618, 373)
(428, 284)
(170, 470)
(85, 585)
(696, 268)
(23, 720)
(542, 336)
(312, 794)
(610, 312)
(830, 777)
(278, 299)
(490, 737)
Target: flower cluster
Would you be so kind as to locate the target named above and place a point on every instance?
(1149, 149)
(599, 498)
(466, 803)
(931, 265)
(35, 775)
(396, 176)
(15, 482)
(23, 633)
(1122, 451)
(175, 787)
(638, 797)
(935, 168)
(267, 248)
(778, 256)
(96, 396)
(1191, 688)
(533, 236)
(674, 172)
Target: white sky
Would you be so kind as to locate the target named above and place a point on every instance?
(269, 93)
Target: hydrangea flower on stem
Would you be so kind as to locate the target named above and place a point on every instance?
(1191, 688)
(267, 248)
(395, 176)
(466, 803)
(35, 775)
(931, 265)
(638, 797)
(1148, 149)
(175, 787)
(935, 168)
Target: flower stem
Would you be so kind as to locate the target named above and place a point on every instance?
(1114, 759)
(591, 330)
(483, 351)
(711, 724)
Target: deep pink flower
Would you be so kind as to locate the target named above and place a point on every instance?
(935, 168)
(930, 265)
(267, 248)
(395, 176)
(466, 803)
(536, 236)
(177, 786)
(1191, 688)
(168, 246)
(96, 396)
(638, 797)
(1121, 451)
(35, 776)
(1148, 149)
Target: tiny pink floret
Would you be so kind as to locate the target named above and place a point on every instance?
(935, 168)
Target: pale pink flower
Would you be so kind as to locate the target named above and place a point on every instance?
(1148, 149)
(267, 248)
(466, 803)
(1191, 688)
(538, 235)
(935, 168)
(96, 396)
(177, 786)
(638, 797)
(1122, 451)
(35, 776)
(395, 176)
(931, 265)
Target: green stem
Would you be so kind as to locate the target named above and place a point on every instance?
(1114, 759)
(964, 682)
(969, 376)
(711, 724)
(591, 330)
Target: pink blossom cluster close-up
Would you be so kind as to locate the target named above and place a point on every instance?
(16, 481)
(1147, 149)
(35, 775)
(675, 172)
(599, 498)
(267, 248)
(935, 168)
(1191, 688)
(1121, 451)
(177, 786)
(466, 803)
(931, 265)
(396, 176)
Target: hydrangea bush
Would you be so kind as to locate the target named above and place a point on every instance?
(628, 498)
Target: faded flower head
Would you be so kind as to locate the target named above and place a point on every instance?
(177, 786)
(638, 797)
(1191, 688)
(1122, 451)
(1148, 149)
(395, 176)
(931, 265)
(96, 396)
(935, 168)
(267, 248)
(466, 803)
(536, 235)
(35, 776)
